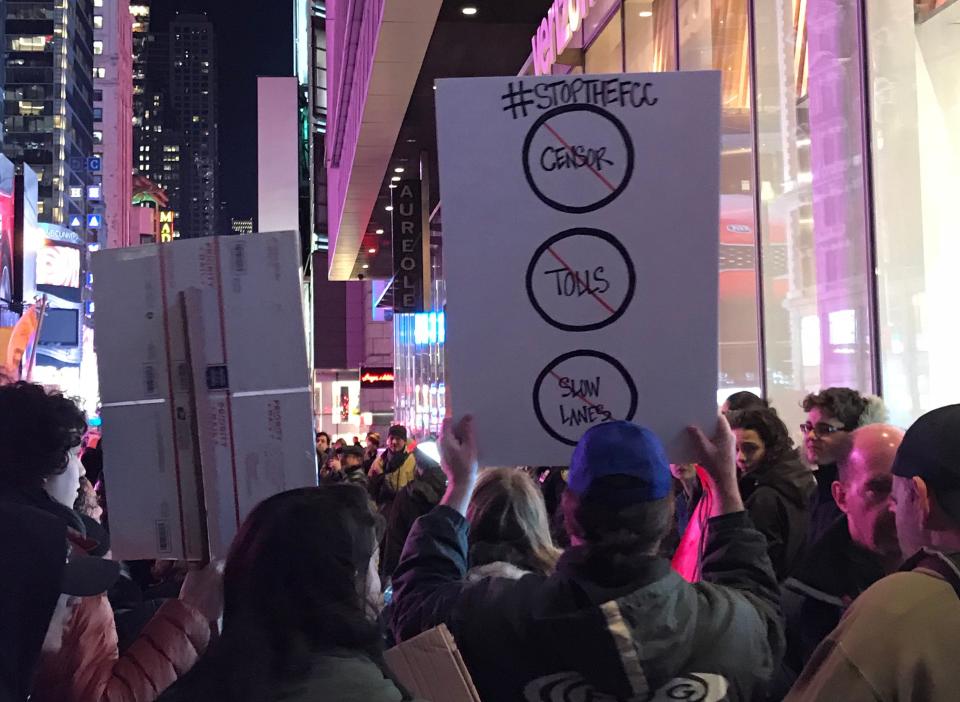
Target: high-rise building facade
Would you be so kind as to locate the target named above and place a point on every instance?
(193, 92)
(156, 142)
(48, 118)
(113, 116)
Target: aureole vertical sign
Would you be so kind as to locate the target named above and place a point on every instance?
(409, 266)
(582, 215)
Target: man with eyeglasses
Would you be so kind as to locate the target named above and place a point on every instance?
(831, 415)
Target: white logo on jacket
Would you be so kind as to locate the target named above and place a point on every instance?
(572, 687)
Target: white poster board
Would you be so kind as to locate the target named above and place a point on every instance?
(580, 220)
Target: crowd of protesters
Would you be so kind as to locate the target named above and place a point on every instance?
(763, 571)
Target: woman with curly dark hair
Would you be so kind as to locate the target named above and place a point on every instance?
(775, 485)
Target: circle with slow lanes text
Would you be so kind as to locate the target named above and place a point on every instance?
(581, 389)
(581, 279)
(578, 158)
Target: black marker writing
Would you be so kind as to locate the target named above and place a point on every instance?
(570, 283)
(578, 416)
(592, 91)
(582, 388)
(558, 158)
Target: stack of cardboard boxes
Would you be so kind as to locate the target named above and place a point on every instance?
(205, 391)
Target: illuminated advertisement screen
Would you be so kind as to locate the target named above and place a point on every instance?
(58, 266)
(6, 228)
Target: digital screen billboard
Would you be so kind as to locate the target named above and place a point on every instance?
(58, 266)
(60, 326)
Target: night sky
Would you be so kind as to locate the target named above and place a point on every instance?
(253, 39)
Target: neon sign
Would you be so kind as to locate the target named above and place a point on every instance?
(556, 30)
(376, 377)
(166, 226)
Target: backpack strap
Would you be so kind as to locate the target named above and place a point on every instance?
(942, 565)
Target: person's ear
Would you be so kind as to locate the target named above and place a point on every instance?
(839, 492)
(922, 501)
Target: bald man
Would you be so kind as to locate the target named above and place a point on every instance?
(859, 549)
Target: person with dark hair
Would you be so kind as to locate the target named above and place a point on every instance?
(414, 500)
(776, 487)
(391, 471)
(301, 597)
(509, 530)
(831, 415)
(370, 451)
(40, 439)
(743, 400)
(40, 467)
(613, 620)
(899, 639)
(857, 551)
(324, 450)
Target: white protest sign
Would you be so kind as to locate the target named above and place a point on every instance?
(580, 219)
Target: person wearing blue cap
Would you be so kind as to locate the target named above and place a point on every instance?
(899, 639)
(613, 621)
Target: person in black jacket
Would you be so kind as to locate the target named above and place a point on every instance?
(613, 619)
(414, 500)
(831, 415)
(776, 487)
(859, 549)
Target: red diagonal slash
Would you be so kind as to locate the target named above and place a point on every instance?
(580, 282)
(559, 378)
(589, 167)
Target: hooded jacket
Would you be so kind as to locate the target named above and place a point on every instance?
(583, 631)
(777, 497)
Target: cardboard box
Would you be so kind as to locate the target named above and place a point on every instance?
(431, 667)
(205, 388)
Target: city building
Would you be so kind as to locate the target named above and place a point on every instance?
(156, 139)
(113, 120)
(838, 164)
(48, 106)
(193, 93)
(241, 226)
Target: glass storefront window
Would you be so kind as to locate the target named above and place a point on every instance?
(605, 53)
(650, 32)
(813, 206)
(914, 88)
(714, 35)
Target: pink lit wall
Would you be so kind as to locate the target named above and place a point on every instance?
(116, 63)
(277, 143)
(350, 53)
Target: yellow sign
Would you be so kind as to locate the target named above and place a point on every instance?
(166, 225)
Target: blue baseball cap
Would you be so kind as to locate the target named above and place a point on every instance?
(620, 448)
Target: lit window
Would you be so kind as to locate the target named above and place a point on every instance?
(97, 47)
(100, 72)
(98, 21)
(97, 136)
(98, 3)
(76, 192)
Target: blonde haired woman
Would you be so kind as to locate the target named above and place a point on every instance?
(509, 529)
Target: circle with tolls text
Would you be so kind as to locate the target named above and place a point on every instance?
(581, 279)
(581, 389)
(578, 158)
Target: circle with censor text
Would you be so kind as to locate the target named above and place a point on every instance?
(581, 279)
(578, 158)
(581, 389)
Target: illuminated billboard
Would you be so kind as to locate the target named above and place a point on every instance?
(166, 226)
(6, 227)
(58, 266)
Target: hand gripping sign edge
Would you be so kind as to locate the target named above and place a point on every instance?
(578, 209)
(634, 398)
(582, 231)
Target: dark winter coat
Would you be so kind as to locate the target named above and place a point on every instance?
(413, 501)
(824, 512)
(581, 631)
(829, 578)
(777, 497)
